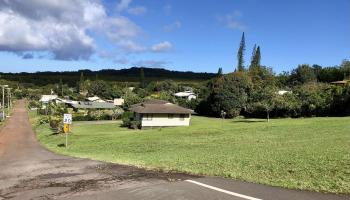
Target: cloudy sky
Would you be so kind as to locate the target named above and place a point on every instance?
(196, 35)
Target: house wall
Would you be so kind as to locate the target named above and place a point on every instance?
(157, 120)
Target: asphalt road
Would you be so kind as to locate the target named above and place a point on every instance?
(29, 171)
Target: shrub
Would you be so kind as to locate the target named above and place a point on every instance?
(129, 121)
(33, 104)
(83, 118)
(135, 124)
(55, 123)
(127, 117)
(43, 120)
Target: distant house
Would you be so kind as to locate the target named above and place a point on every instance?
(118, 101)
(158, 113)
(45, 99)
(92, 105)
(131, 88)
(282, 92)
(65, 101)
(344, 82)
(95, 99)
(189, 95)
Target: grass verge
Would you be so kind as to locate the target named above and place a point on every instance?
(310, 154)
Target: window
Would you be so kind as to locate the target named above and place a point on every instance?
(182, 117)
(170, 116)
(147, 117)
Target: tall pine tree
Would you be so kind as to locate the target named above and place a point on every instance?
(219, 72)
(240, 54)
(256, 57)
(253, 56)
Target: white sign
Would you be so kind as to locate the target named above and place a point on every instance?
(67, 118)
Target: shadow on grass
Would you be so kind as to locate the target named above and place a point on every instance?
(61, 145)
(54, 131)
(249, 121)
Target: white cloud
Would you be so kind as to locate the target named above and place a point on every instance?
(232, 20)
(138, 10)
(151, 63)
(63, 27)
(173, 26)
(162, 47)
(131, 47)
(123, 5)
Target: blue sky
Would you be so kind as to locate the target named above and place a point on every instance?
(175, 34)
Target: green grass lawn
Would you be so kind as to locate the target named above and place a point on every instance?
(311, 153)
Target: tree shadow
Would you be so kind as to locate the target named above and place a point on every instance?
(61, 145)
(249, 121)
(54, 131)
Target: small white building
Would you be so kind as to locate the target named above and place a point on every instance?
(45, 99)
(65, 101)
(282, 92)
(189, 95)
(118, 101)
(158, 113)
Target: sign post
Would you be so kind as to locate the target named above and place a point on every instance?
(67, 121)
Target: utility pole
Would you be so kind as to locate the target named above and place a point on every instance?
(3, 101)
(8, 100)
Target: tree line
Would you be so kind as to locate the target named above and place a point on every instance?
(255, 91)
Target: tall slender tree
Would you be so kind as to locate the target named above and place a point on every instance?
(253, 56)
(256, 57)
(240, 54)
(219, 72)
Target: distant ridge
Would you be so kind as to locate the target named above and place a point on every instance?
(119, 75)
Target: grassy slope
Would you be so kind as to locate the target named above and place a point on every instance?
(312, 154)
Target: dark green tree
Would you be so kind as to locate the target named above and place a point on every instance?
(345, 69)
(253, 55)
(228, 93)
(61, 87)
(142, 78)
(303, 74)
(219, 72)
(263, 98)
(240, 54)
(81, 82)
(255, 61)
(315, 98)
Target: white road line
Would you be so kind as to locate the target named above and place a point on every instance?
(223, 191)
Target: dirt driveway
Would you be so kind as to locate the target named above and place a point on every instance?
(29, 171)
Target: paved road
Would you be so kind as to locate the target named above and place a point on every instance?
(29, 171)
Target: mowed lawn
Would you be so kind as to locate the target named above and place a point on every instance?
(307, 153)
